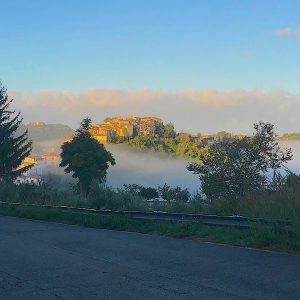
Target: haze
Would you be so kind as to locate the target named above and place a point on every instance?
(136, 167)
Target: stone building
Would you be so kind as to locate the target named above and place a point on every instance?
(113, 128)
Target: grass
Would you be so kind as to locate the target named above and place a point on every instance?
(276, 205)
(262, 236)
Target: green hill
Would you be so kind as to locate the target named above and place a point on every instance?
(47, 132)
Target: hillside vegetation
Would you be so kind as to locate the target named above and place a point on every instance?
(181, 145)
(47, 132)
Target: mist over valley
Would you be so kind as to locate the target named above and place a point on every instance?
(141, 167)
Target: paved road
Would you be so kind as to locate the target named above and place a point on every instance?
(40, 260)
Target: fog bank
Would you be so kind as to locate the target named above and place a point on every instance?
(150, 169)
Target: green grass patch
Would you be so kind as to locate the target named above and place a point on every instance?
(261, 236)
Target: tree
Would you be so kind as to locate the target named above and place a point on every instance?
(169, 131)
(14, 147)
(159, 129)
(165, 131)
(170, 194)
(147, 193)
(234, 168)
(85, 158)
(183, 138)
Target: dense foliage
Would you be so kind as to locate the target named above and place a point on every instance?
(85, 158)
(234, 168)
(145, 192)
(182, 145)
(165, 131)
(13, 147)
(283, 203)
(166, 141)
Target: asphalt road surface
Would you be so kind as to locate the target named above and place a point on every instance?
(40, 260)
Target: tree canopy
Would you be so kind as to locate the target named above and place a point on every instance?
(86, 158)
(182, 145)
(14, 147)
(231, 169)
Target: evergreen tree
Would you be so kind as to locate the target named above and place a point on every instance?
(13, 147)
(85, 158)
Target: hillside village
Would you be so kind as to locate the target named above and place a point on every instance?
(117, 128)
(34, 176)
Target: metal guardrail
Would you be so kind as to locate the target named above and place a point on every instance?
(215, 220)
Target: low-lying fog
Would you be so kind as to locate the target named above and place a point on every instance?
(149, 169)
(153, 169)
(293, 165)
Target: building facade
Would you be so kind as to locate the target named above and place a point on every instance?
(113, 128)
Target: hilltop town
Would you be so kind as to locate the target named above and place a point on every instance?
(119, 129)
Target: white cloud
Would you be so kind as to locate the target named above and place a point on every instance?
(288, 33)
(196, 110)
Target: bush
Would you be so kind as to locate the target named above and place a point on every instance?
(280, 204)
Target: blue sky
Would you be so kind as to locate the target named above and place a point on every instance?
(166, 44)
(204, 65)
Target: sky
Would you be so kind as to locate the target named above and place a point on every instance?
(204, 65)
